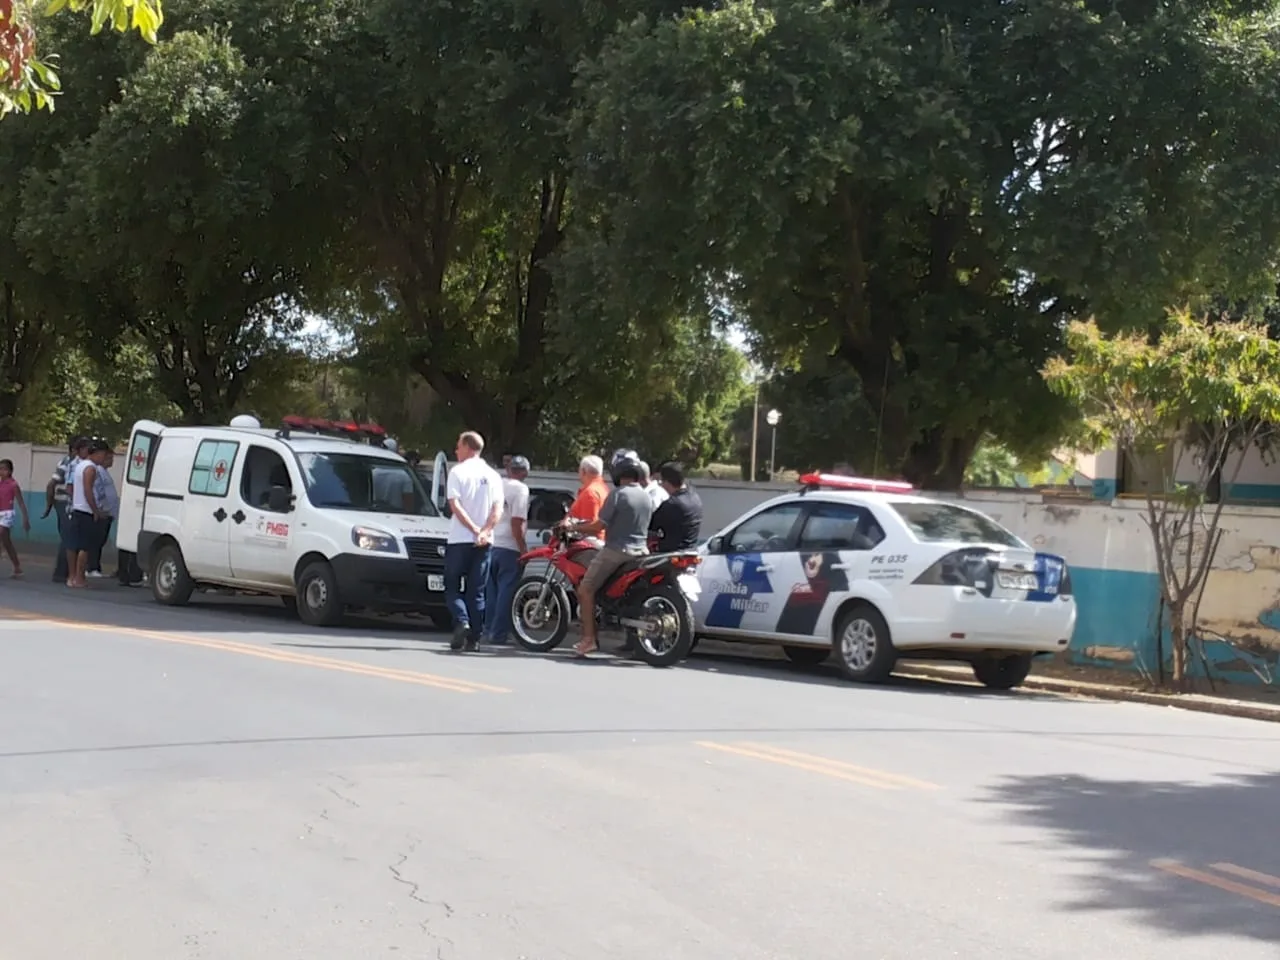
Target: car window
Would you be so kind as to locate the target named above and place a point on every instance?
(839, 526)
(211, 470)
(947, 523)
(348, 481)
(263, 469)
(769, 530)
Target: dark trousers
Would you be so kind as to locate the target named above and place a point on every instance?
(466, 573)
(128, 572)
(101, 534)
(504, 574)
(60, 572)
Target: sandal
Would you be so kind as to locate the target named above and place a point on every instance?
(581, 650)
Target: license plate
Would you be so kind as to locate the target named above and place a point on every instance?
(435, 584)
(1018, 581)
(690, 585)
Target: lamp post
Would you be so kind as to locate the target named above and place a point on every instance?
(772, 418)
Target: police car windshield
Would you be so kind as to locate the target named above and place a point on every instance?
(349, 481)
(947, 523)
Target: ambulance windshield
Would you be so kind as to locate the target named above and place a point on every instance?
(349, 481)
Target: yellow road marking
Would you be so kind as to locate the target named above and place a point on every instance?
(1221, 883)
(828, 768)
(895, 778)
(1244, 873)
(250, 650)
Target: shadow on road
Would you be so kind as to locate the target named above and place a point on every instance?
(1192, 858)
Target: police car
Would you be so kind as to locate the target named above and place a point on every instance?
(871, 572)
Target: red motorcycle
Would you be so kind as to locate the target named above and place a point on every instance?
(650, 597)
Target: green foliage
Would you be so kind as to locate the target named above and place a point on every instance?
(1193, 399)
(930, 191)
(28, 80)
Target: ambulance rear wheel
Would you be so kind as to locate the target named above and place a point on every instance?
(170, 582)
(318, 602)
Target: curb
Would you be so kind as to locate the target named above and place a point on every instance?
(1097, 691)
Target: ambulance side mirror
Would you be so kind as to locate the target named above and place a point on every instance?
(279, 500)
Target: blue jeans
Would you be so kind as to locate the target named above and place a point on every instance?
(504, 574)
(466, 561)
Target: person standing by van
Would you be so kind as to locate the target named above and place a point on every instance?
(11, 503)
(57, 497)
(504, 558)
(474, 492)
(108, 500)
(83, 512)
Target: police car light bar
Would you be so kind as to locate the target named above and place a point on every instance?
(835, 481)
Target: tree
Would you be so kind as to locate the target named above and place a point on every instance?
(926, 192)
(1188, 400)
(26, 80)
(187, 211)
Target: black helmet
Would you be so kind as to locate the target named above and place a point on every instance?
(625, 463)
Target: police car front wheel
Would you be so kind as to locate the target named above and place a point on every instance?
(862, 645)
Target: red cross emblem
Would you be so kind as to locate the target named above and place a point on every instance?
(219, 469)
(140, 459)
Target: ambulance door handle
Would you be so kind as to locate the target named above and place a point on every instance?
(238, 516)
(219, 514)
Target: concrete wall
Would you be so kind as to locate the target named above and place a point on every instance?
(33, 466)
(1258, 480)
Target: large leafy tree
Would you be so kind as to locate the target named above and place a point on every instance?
(189, 211)
(924, 193)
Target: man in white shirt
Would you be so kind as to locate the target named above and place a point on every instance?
(504, 558)
(474, 492)
(651, 486)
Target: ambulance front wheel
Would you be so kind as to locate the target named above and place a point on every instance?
(170, 582)
(318, 602)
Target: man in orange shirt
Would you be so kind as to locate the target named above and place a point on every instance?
(592, 494)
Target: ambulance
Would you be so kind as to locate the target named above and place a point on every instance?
(318, 513)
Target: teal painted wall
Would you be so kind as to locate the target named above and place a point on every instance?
(44, 530)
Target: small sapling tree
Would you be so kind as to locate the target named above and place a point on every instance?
(1191, 400)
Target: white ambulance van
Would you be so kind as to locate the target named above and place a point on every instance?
(317, 513)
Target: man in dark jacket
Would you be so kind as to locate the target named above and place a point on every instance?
(677, 521)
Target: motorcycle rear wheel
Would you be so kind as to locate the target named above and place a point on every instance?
(672, 639)
(540, 628)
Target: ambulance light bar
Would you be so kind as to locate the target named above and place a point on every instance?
(835, 481)
(320, 425)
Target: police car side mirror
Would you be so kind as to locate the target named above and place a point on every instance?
(715, 545)
(279, 500)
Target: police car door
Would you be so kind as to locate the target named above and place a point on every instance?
(745, 582)
(834, 552)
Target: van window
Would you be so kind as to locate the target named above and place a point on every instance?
(211, 470)
(263, 469)
(350, 481)
(141, 456)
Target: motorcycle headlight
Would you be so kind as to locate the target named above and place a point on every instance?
(374, 540)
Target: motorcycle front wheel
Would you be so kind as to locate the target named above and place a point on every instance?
(669, 637)
(540, 614)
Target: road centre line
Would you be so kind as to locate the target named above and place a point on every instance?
(1221, 883)
(451, 684)
(837, 769)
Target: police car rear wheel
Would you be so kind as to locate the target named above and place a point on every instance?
(170, 582)
(807, 656)
(863, 647)
(318, 602)
(1002, 673)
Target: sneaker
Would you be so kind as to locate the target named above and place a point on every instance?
(95, 574)
(461, 636)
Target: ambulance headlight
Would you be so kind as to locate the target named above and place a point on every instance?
(377, 541)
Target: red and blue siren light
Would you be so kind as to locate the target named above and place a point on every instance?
(835, 481)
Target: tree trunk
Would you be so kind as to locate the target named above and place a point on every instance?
(1178, 628)
(938, 461)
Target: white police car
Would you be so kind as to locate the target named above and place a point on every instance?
(874, 573)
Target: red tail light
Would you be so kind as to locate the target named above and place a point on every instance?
(682, 563)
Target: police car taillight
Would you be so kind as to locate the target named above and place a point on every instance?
(974, 567)
(835, 481)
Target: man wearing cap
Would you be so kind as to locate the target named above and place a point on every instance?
(504, 558)
(57, 497)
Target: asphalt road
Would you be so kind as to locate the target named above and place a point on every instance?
(221, 783)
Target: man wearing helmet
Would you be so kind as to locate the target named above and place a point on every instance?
(625, 520)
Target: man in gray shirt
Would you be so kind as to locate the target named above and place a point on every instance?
(624, 520)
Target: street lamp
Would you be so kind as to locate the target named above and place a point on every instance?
(772, 418)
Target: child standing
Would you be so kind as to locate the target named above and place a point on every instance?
(11, 498)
